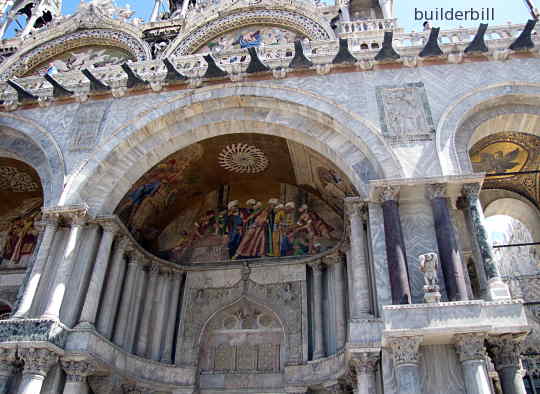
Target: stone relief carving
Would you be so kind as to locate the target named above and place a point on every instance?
(404, 112)
(405, 350)
(429, 263)
(470, 346)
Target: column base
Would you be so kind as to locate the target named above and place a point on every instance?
(497, 290)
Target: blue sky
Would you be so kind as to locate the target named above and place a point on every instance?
(505, 10)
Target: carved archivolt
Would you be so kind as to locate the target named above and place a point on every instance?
(101, 37)
(191, 42)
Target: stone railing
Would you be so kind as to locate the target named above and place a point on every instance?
(347, 28)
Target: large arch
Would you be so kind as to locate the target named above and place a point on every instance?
(353, 144)
(25, 140)
(461, 120)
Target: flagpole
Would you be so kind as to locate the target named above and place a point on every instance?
(532, 9)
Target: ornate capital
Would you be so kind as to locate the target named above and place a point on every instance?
(365, 363)
(317, 268)
(471, 189)
(78, 371)
(470, 346)
(333, 387)
(7, 359)
(109, 227)
(154, 269)
(355, 206)
(123, 242)
(37, 361)
(388, 193)
(505, 350)
(333, 258)
(405, 350)
(436, 190)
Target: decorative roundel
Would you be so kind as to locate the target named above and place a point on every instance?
(243, 158)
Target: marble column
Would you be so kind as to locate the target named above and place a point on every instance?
(496, 288)
(449, 255)
(159, 321)
(406, 356)
(136, 306)
(176, 285)
(51, 226)
(37, 363)
(361, 307)
(123, 318)
(148, 308)
(91, 302)
(7, 368)
(76, 374)
(395, 246)
(111, 294)
(365, 365)
(505, 352)
(318, 339)
(65, 267)
(155, 11)
(472, 355)
(334, 262)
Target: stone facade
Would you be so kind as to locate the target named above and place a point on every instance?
(381, 140)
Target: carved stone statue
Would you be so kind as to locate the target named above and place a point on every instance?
(428, 265)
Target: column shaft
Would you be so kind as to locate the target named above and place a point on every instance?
(451, 264)
(155, 11)
(37, 363)
(63, 273)
(91, 303)
(51, 225)
(318, 339)
(341, 329)
(160, 321)
(176, 285)
(395, 248)
(135, 309)
(146, 314)
(123, 318)
(360, 297)
(111, 295)
(496, 288)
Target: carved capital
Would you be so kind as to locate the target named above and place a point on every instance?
(50, 219)
(78, 371)
(123, 242)
(355, 206)
(405, 350)
(109, 227)
(436, 190)
(7, 360)
(317, 268)
(471, 190)
(365, 363)
(505, 350)
(37, 361)
(154, 269)
(470, 346)
(388, 193)
(331, 259)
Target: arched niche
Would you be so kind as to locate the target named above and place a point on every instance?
(245, 337)
(238, 196)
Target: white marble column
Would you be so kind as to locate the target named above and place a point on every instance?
(405, 352)
(472, 355)
(76, 374)
(136, 306)
(155, 11)
(365, 365)
(334, 263)
(37, 363)
(113, 286)
(91, 302)
(505, 351)
(357, 261)
(318, 339)
(161, 303)
(123, 318)
(148, 308)
(7, 368)
(387, 8)
(176, 287)
(65, 267)
(51, 226)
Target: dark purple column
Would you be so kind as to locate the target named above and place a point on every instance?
(450, 258)
(395, 247)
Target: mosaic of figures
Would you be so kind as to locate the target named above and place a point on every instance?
(252, 36)
(210, 202)
(18, 234)
(79, 59)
